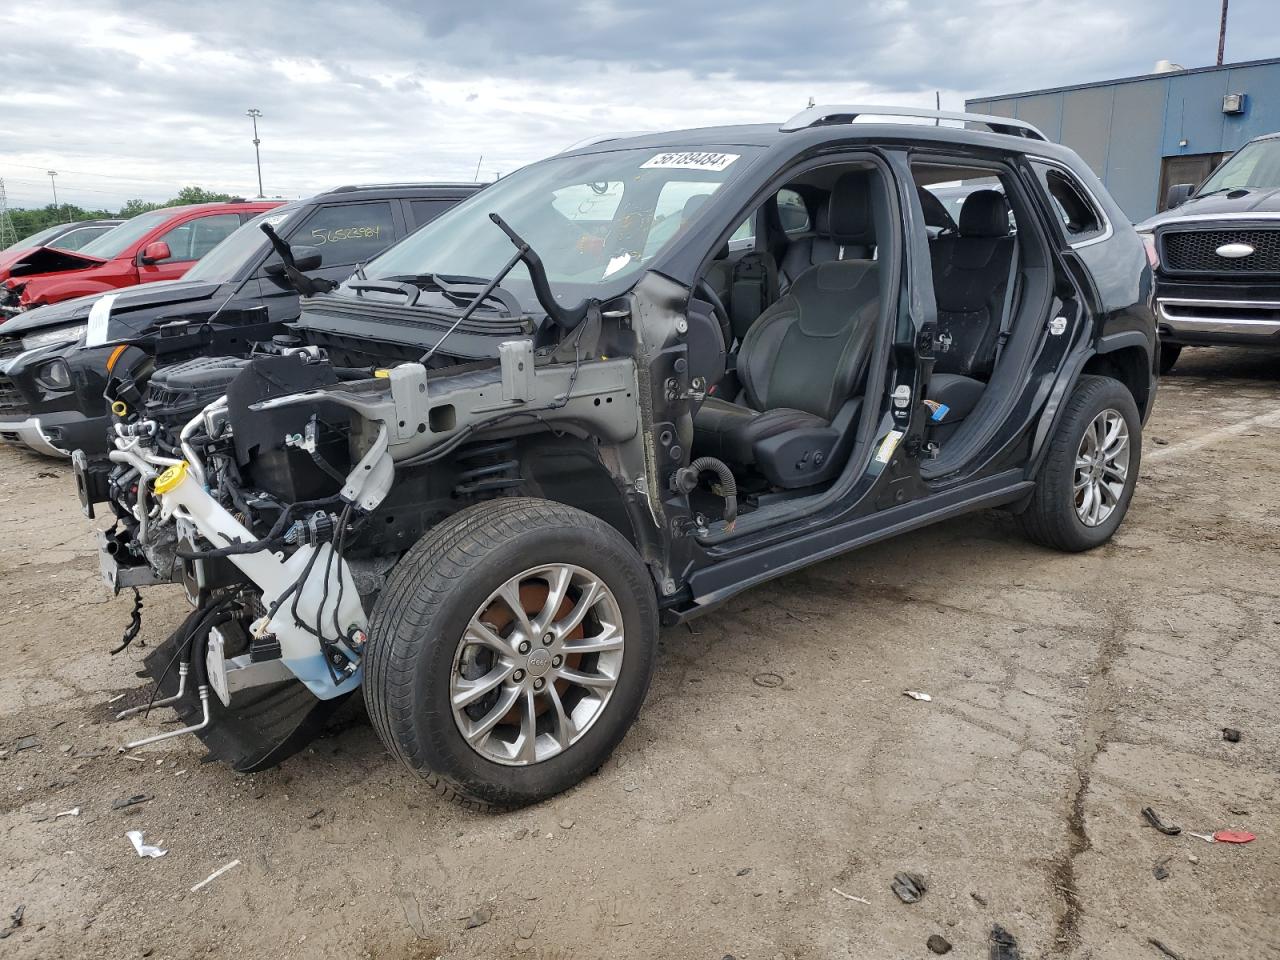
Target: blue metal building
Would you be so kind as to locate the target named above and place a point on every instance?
(1143, 134)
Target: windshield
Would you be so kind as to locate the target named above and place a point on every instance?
(1254, 166)
(595, 220)
(228, 258)
(115, 242)
(37, 239)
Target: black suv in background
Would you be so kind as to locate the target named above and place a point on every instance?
(51, 382)
(1216, 255)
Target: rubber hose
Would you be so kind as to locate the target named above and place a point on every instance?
(728, 485)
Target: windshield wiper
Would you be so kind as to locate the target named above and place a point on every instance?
(561, 316)
(566, 318)
(460, 290)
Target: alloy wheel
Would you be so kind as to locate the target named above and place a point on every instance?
(1102, 467)
(537, 664)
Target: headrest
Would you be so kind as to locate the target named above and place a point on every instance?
(849, 209)
(935, 211)
(984, 213)
(692, 205)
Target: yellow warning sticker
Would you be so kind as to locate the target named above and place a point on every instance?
(888, 445)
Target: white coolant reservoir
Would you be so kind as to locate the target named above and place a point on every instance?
(300, 651)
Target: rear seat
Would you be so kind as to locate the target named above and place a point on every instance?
(970, 276)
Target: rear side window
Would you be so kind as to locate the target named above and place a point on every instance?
(424, 211)
(793, 213)
(1080, 218)
(347, 234)
(76, 239)
(193, 239)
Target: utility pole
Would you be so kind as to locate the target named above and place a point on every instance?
(8, 234)
(54, 183)
(1222, 33)
(254, 113)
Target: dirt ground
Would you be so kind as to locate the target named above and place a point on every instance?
(1069, 692)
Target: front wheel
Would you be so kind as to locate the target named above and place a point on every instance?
(510, 651)
(1087, 480)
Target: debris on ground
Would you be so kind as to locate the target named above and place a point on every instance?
(73, 812)
(131, 801)
(1153, 818)
(216, 874)
(15, 921)
(767, 680)
(1231, 735)
(1234, 836)
(917, 695)
(908, 886)
(479, 918)
(25, 743)
(743, 872)
(979, 898)
(1003, 945)
(566, 824)
(1161, 869)
(1172, 954)
(938, 944)
(850, 896)
(1206, 837)
(144, 849)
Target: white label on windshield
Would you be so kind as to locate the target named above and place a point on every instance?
(99, 314)
(714, 162)
(616, 264)
(275, 219)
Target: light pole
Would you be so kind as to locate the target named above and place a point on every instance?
(254, 113)
(1222, 33)
(54, 184)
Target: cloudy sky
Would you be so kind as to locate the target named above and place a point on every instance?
(129, 99)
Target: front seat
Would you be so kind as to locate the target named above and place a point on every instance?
(803, 362)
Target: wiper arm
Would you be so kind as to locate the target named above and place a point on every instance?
(565, 317)
(456, 289)
(410, 291)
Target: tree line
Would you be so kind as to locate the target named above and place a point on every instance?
(29, 221)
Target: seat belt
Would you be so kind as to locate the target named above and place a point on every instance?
(1006, 312)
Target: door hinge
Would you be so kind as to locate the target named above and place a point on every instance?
(920, 448)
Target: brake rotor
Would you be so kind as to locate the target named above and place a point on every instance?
(533, 596)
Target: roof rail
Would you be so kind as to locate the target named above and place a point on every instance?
(847, 113)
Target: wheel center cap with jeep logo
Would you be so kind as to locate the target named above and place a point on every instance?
(539, 662)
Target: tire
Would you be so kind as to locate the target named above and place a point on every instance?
(417, 659)
(1169, 353)
(1053, 517)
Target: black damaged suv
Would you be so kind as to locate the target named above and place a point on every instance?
(614, 390)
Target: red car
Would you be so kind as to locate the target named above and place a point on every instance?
(159, 245)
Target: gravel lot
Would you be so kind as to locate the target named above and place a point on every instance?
(1068, 693)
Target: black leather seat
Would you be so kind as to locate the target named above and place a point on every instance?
(970, 278)
(820, 245)
(970, 275)
(803, 362)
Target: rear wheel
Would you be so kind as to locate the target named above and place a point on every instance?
(1169, 353)
(1087, 480)
(511, 651)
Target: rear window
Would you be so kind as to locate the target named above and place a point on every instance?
(1080, 218)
